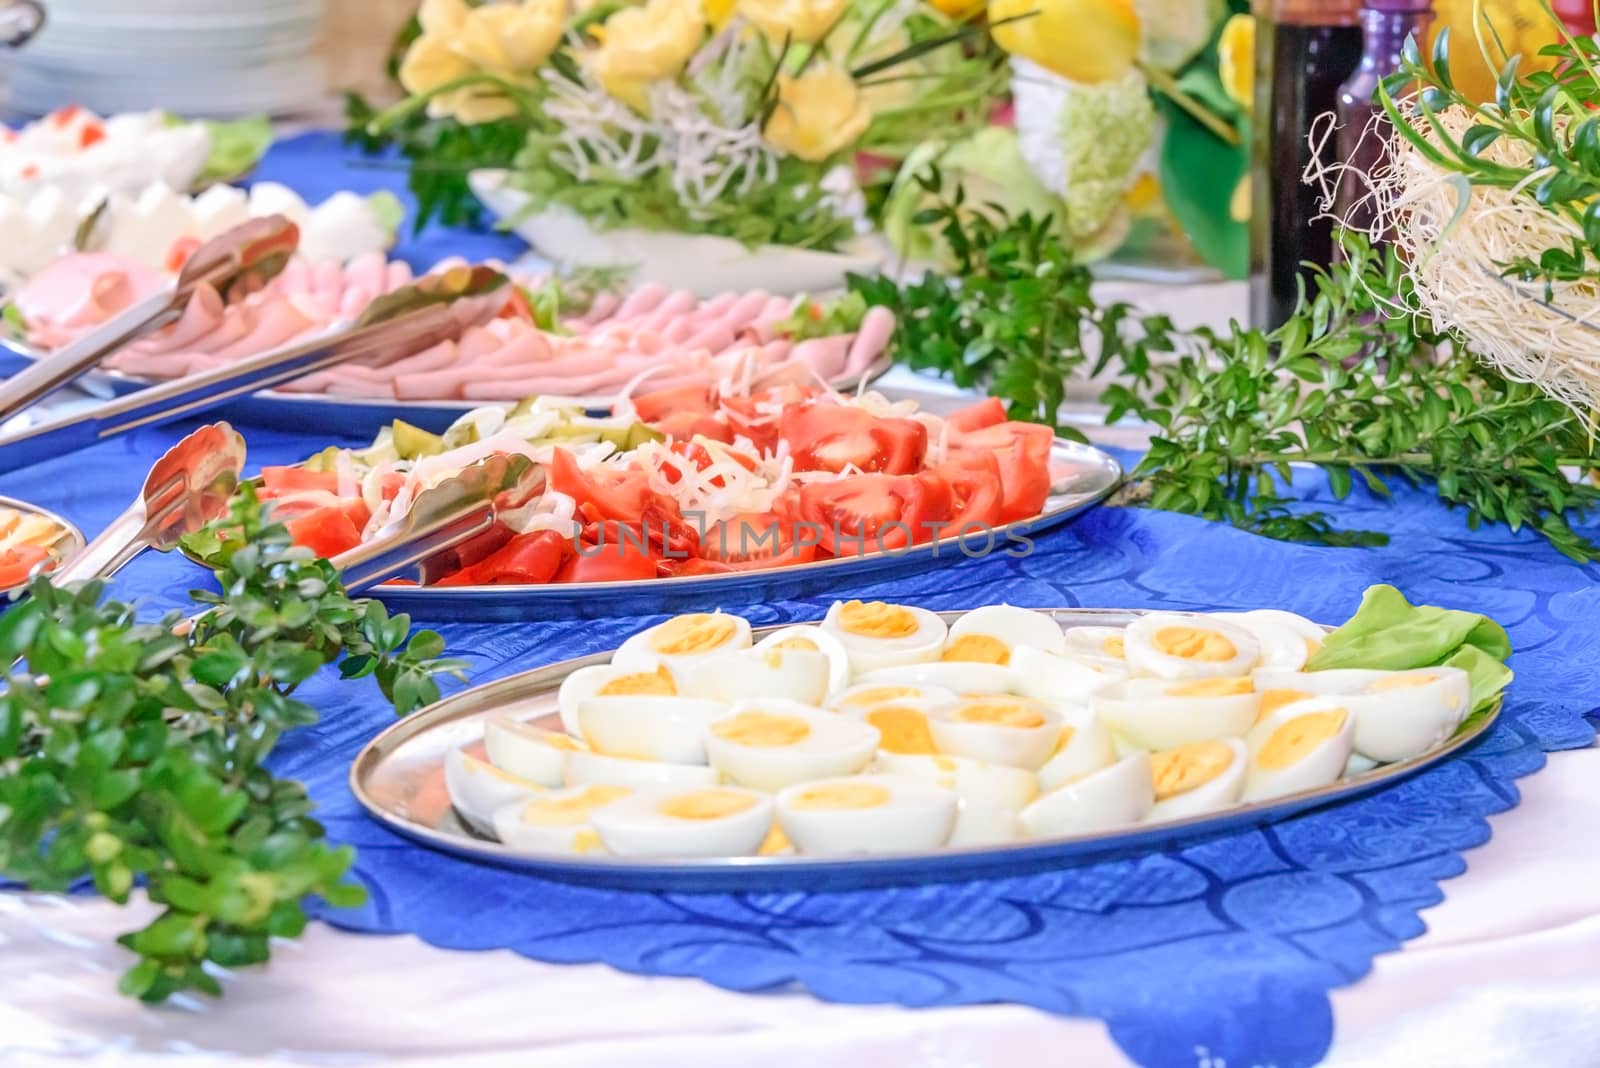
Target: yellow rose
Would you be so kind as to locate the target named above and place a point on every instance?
(442, 16)
(644, 44)
(802, 21)
(818, 114)
(719, 12)
(511, 40)
(1081, 40)
(429, 63)
(959, 10)
(1236, 59)
(472, 105)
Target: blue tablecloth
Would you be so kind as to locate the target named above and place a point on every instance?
(1224, 950)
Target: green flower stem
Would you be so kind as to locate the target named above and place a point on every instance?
(1168, 87)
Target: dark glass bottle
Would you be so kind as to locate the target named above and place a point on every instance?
(1363, 134)
(1305, 50)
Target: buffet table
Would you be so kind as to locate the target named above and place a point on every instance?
(1235, 969)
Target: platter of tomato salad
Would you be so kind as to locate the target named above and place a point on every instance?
(697, 497)
(32, 540)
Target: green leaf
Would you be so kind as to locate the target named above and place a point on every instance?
(1199, 173)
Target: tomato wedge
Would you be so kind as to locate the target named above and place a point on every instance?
(649, 407)
(990, 411)
(831, 437)
(325, 531)
(609, 493)
(759, 539)
(1022, 451)
(18, 562)
(974, 479)
(876, 513)
(700, 456)
(610, 561)
(526, 560)
(280, 481)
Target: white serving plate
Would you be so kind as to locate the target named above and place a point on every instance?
(702, 264)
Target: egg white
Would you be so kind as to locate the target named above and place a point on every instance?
(854, 700)
(832, 746)
(583, 769)
(868, 653)
(574, 834)
(1114, 796)
(1144, 713)
(1286, 640)
(1011, 627)
(1101, 646)
(955, 676)
(588, 681)
(1044, 675)
(1145, 657)
(827, 644)
(988, 796)
(1390, 724)
(996, 742)
(794, 673)
(668, 729)
(641, 826)
(916, 815)
(477, 788)
(639, 653)
(1083, 745)
(527, 751)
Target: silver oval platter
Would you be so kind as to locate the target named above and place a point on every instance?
(399, 779)
(68, 539)
(326, 413)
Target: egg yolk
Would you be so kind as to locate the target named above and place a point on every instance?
(978, 649)
(875, 619)
(700, 632)
(1180, 770)
(878, 695)
(773, 658)
(1401, 682)
(902, 730)
(1272, 700)
(1294, 741)
(1113, 646)
(775, 842)
(1000, 714)
(562, 741)
(1213, 688)
(1194, 643)
(657, 683)
(1064, 740)
(707, 805)
(1312, 647)
(841, 795)
(483, 767)
(571, 811)
(762, 730)
(805, 645)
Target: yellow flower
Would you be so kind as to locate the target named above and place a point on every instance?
(802, 21)
(1239, 203)
(442, 16)
(511, 40)
(959, 10)
(719, 12)
(473, 105)
(645, 44)
(1145, 198)
(429, 63)
(818, 114)
(1081, 40)
(1236, 59)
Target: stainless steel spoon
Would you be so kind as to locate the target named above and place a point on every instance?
(246, 256)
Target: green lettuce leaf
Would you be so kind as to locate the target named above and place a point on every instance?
(387, 210)
(236, 147)
(1389, 633)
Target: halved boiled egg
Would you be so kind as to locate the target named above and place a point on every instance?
(1398, 714)
(857, 699)
(997, 729)
(610, 680)
(955, 676)
(1168, 645)
(989, 796)
(683, 640)
(1299, 747)
(903, 726)
(1286, 640)
(1105, 646)
(720, 821)
(476, 788)
(810, 639)
(1158, 714)
(560, 821)
(867, 814)
(583, 768)
(767, 744)
(1083, 745)
(772, 672)
(988, 635)
(879, 635)
(1044, 675)
(528, 751)
(1111, 797)
(1198, 777)
(668, 729)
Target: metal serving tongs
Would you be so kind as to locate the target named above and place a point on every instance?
(436, 308)
(246, 256)
(186, 489)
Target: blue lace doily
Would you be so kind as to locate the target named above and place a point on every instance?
(1227, 949)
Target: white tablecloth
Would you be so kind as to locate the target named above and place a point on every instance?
(1508, 972)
